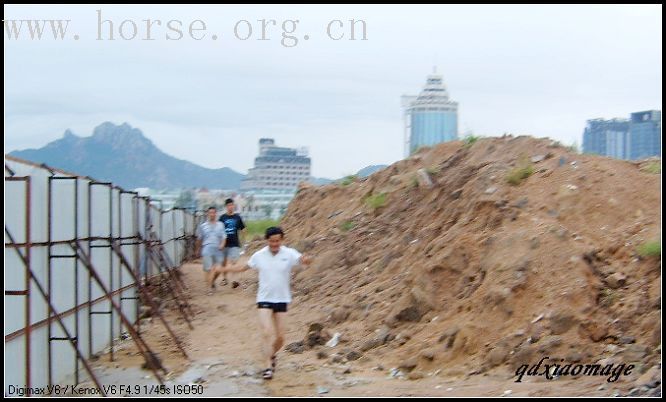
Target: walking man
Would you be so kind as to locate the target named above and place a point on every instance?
(274, 263)
(233, 225)
(212, 235)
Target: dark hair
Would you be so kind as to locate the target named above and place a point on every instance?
(228, 201)
(273, 230)
(211, 207)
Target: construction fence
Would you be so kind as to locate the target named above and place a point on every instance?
(79, 258)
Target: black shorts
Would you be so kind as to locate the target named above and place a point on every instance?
(276, 307)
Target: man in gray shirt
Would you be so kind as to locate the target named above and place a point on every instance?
(212, 236)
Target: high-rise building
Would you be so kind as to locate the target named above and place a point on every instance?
(277, 168)
(645, 134)
(431, 117)
(635, 138)
(606, 137)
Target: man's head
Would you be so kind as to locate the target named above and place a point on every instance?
(229, 205)
(212, 213)
(274, 235)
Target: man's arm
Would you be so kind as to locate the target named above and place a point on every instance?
(305, 260)
(235, 268)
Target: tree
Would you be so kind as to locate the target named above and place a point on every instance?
(185, 200)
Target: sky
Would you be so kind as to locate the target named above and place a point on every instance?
(541, 70)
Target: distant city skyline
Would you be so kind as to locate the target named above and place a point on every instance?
(541, 70)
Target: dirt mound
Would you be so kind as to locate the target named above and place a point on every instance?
(496, 253)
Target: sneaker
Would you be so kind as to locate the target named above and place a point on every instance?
(235, 284)
(224, 282)
(267, 374)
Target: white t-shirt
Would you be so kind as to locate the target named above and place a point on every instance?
(212, 234)
(274, 273)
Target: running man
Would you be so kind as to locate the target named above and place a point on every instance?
(233, 224)
(212, 235)
(274, 263)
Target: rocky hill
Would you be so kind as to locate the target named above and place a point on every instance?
(486, 255)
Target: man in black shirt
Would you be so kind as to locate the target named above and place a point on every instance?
(233, 225)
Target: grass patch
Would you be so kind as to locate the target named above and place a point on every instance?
(346, 226)
(433, 170)
(376, 201)
(415, 182)
(258, 228)
(607, 297)
(469, 140)
(652, 167)
(521, 172)
(650, 249)
(349, 180)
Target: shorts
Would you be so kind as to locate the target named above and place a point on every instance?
(276, 307)
(231, 253)
(210, 260)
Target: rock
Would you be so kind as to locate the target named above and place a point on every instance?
(616, 280)
(538, 158)
(650, 379)
(561, 323)
(449, 336)
(522, 203)
(333, 342)
(424, 178)
(655, 336)
(410, 314)
(635, 353)
(347, 370)
(428, 354)
(316, 336)
(574, 357)
(593, 330)
(384, 334)
(534, 243)
(337, 358)
(322, 354)
(549, 343)
(371, 344)
(497, 356)
(523, 355)
(415, 375)
(456, 194)
(354, 355)
(296, 347)
(322, 390)
(339, 315)
(409, 364)
(490, 190)
(625, 340)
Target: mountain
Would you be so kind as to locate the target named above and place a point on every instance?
(368, 170)
(123, 155)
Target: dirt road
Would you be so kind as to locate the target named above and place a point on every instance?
(224, 355)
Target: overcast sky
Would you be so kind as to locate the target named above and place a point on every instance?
(541, 70)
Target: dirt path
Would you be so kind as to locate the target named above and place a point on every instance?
(224, 351)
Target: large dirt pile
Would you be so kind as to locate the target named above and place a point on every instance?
(438, 262)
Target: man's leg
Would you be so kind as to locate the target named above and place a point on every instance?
(267, 335)
(224, 264)
(279, 321)
(233, 254)
(208, 267)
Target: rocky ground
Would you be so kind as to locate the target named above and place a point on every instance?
(443, 274)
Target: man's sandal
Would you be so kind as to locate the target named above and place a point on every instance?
(267, 374)
(273, 362)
